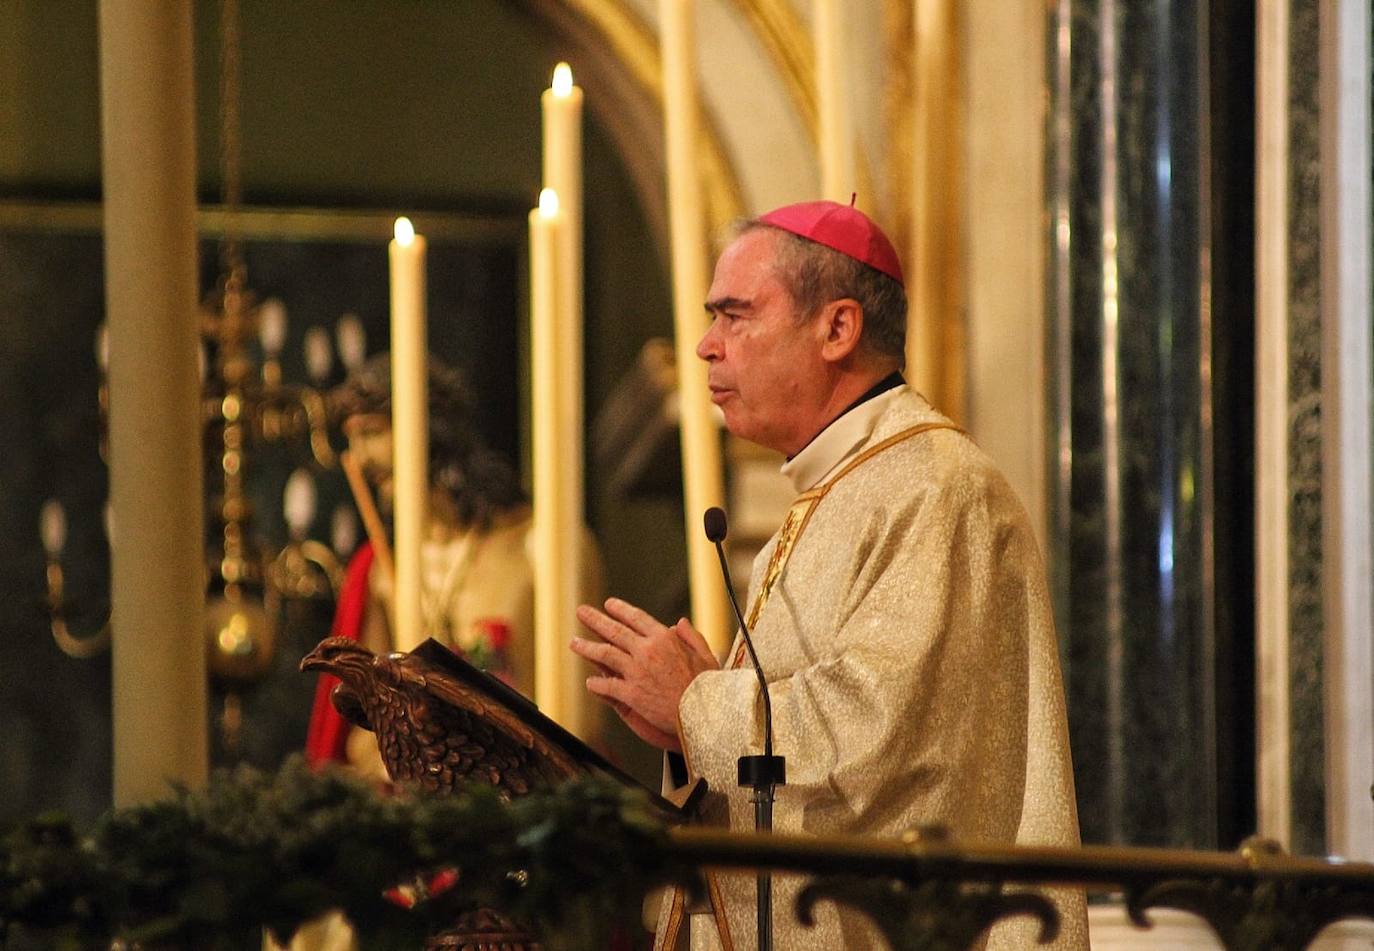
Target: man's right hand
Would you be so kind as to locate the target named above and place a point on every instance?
(646, 666)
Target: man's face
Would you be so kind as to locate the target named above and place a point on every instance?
(370, 442)
(765, 367)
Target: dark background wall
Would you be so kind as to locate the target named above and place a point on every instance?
(386, 105)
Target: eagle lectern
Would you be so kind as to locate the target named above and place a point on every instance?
(440, 722)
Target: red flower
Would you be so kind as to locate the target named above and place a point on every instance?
(495, 631)
(443, 880)
(410, 894)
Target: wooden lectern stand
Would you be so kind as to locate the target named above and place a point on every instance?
(440, 722)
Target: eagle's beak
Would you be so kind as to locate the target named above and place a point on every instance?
(314, 660)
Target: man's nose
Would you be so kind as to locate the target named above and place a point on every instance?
(708, 348)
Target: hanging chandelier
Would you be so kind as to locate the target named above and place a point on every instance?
(245, 404)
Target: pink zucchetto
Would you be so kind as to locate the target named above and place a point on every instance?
(841, 227)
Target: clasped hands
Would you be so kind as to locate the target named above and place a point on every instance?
(644, 666)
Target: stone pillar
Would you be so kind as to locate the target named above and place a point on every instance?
(1347, 396)
(1140, 338)
(158, 584)
(1005, 250)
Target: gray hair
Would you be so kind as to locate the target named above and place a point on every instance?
(815, 275)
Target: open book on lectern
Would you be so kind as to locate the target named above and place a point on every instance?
(489, 700)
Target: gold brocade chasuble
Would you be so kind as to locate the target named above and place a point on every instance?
(902, 619)
(799, 513)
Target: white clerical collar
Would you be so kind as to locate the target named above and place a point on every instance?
(837, 442)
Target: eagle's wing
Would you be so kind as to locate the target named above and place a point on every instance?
(349, 705)
(502, 748)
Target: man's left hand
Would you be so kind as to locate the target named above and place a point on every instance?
(646, 666)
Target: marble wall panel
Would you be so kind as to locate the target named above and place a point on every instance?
(1304, 434)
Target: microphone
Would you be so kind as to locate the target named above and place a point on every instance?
(714, 522)
(761, 773)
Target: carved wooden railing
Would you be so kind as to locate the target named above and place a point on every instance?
(925, 892)
(440, 724)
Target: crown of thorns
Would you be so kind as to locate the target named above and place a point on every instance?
(367, 391)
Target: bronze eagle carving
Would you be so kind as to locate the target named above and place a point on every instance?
(432, 728)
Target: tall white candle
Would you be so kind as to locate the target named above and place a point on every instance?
(701, 471)
(562, 113)
(838, 178)
(410, 427)
(552, 612)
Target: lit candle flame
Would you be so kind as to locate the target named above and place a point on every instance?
(298, 502)
(548, 203)
(562, 80)
(405, 231)
(52, 521)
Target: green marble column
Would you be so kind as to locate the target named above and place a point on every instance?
(1140, 197)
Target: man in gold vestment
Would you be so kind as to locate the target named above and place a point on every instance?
(900, 614)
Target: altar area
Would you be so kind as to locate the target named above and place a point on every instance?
(1138, 244)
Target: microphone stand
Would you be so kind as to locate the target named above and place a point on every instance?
(763, 773)
(760, 773)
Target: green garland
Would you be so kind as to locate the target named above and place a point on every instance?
(212, 868)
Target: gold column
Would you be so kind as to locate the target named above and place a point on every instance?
(834, 93)
(701, 465)
(158, 558)
(935, 270)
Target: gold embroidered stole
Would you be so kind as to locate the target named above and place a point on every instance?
(799, 516)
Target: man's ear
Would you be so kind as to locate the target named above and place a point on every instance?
(843, 325)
